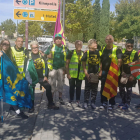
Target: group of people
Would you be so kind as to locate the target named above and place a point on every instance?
(49, 70)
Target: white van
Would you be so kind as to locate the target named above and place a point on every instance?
(44, 41)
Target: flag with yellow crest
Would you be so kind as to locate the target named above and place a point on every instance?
(13, 87)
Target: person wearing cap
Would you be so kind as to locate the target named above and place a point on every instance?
(129, 56)
(56, 55)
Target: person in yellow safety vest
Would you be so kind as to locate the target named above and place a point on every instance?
(6, 48)
(56, 55)
(109, 51)
(91, 63)
(19, 52)
(75, 72)
(129, 56)
(36, 71)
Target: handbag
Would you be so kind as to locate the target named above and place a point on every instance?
(93, 78)
(124, 78)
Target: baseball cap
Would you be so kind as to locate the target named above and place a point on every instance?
(131, 41)
(58, 35)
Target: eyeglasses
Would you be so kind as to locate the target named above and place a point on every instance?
(4, 44)
(35, 48)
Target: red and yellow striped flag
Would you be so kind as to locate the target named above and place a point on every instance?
(111, 84)
(135, 70)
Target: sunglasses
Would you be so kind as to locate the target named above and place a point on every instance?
(5, 44)
(58, 38)
(130, 46)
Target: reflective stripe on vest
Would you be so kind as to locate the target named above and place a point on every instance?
(30, 57)
(50, 61)
(73, 66)
(19, 59)
(132, 54)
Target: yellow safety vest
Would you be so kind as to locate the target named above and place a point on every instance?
(73, 67)
(19, 58)
(50, 61)
(113, 54)
(132, 54)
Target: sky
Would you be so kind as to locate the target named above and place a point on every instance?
(6, 9)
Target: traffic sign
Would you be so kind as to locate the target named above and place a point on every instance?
(37, 15)
(41, 4)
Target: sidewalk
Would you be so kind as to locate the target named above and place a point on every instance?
(72, 123)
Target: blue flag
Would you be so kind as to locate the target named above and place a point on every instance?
(13, 87)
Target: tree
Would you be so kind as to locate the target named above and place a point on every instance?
(95, 20)
(104, 21)
(49, 27)
(78, 18)
(34, 28)
(127, 18)
(9, 27)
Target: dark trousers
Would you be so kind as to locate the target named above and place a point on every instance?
(93, 87)
(75, 82)
(103, 98)
(47, 86)
(126, 95)
(139, 85)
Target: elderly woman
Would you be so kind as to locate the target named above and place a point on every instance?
(36, 70)
(75, 71)
(109, 51)
(91, 62)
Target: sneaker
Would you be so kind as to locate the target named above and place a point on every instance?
(53, 107)
(22, 115)
(110, 107)
(11, 108)
(121, 104)
(137, 106)
(103, 106)
(61, 101)
(78, 104)
(125, 107)
(85, 105)
(93, 106)
(31, 110)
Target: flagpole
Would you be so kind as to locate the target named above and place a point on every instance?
(2, 89)
(60, 9)
(107, 105)
(64, 15)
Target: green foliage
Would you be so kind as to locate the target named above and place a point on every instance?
(9, 27)
(127, 18)
(94, 30)
(34, 28)
(49, 27)
(78, 18)
(104, 21)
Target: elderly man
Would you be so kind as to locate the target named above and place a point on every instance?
(129, 56)
(56, 55)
